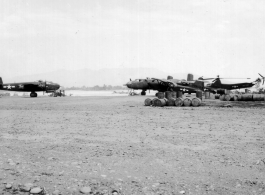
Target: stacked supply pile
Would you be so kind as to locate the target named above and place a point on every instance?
(242, 97)
(172, 98)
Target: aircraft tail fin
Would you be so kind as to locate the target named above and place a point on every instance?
(190, 77)
(199, 84)
(1, 81)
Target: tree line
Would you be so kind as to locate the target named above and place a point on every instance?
(97, 88)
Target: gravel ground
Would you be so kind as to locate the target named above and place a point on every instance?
(116, 145)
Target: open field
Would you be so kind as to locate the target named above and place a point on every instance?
(116, 143)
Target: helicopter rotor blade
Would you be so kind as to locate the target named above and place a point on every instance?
(221, 78)
(262, 77)
(235, 78)
(206, 78)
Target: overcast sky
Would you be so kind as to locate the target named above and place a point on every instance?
(208, 37)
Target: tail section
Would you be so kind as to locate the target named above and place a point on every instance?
(190, 77)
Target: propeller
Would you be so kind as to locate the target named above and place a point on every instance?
(262, 77)
(43, 84)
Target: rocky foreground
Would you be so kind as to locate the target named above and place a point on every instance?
(115, 145)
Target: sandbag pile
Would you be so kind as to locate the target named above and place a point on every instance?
(169, 99)
(242, 97)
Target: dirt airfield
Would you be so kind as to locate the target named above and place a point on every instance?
(116, 145)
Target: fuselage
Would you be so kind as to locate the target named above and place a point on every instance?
(229, 86)
(153, 84)
(30, 86)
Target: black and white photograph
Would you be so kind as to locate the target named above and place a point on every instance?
(132, 97)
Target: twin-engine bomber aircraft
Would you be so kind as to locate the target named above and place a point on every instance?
(32, 87)
(163, 85)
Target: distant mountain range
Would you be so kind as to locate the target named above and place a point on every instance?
(89, 78)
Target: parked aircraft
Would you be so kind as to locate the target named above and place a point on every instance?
(48, 87)
(218, 85)
(182, 85)
(163, 85)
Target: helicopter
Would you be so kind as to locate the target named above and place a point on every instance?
(48, 87)
(221, 87)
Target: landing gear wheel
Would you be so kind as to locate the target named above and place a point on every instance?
(143, 93)
(33, 94)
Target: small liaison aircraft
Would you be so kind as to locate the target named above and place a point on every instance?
(218, 85)
(48, 87)
(163, 85)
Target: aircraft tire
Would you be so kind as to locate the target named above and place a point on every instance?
(143, 93)
(33, 94)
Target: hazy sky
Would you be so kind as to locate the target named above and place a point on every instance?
(202, 37)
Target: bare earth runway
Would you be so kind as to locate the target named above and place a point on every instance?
(116, 143)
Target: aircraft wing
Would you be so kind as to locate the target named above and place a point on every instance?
(172, 84)
(205, 81)
(166, 82)
(34, 84)
(188, 87)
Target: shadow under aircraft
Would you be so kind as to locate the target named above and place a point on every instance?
(33, 87)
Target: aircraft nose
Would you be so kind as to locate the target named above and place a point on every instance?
(129, 84)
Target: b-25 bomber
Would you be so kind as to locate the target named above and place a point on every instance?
(168, 84)
(33, 87)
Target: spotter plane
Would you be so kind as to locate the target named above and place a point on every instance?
(220, 87)
(32, 87)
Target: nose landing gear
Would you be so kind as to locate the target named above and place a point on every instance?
(143, 93)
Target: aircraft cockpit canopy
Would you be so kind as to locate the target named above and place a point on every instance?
(139, 80)
(47, 82)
